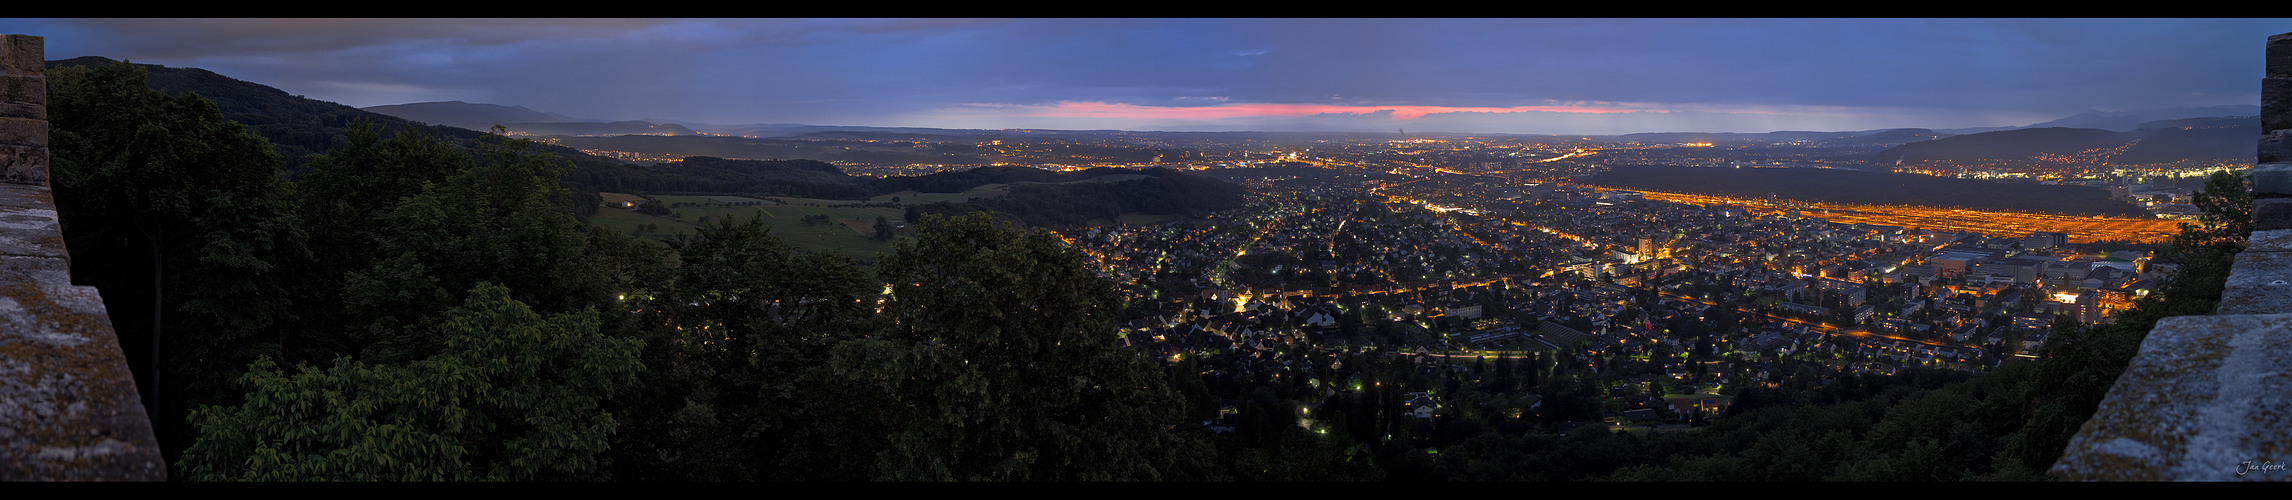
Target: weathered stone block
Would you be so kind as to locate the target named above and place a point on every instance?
(2258, 283)
(2203, 401)
(2278, 240)
(2275, 104)
(24, 96)
(27, 131)
(23, 53)
(2271, 214)
(23, 165)
(29, 225)
(69, 410)
(2278, 57)
(2275, 147)
(2271, 179)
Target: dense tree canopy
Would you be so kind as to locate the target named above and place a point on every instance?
(192, 220)
(513, 396)
(1001, 350)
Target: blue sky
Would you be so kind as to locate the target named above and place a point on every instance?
(1535, 76)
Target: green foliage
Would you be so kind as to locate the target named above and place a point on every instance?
(516, 396)
(497, 221)
(727, 399)
(190, 219)
(1000, 362)
(1075, 203)
(342, 196)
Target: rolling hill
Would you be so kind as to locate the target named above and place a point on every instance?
(2199, 139)
(468, 115)
(297, 126)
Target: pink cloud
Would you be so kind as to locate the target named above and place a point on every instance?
(1105, 110)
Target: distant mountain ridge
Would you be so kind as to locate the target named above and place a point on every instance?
(2126, 121)
(1881, 137)
(519, 120)
(632, 127)
(2200, 139)
(468, 115)
(527, 121)
(2165, 135)
(1035, 196)
(297, 127)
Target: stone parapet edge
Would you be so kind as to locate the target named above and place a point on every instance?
(69, 410)
(2204, 400)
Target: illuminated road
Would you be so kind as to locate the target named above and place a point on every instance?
(1825, 328)
(1993, 223)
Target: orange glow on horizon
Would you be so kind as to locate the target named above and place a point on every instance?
(1106, 110)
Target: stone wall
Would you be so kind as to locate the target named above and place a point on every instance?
(2209, 398)
(68, 405)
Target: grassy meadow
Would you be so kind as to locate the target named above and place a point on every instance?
(915, 198)
(852, 233)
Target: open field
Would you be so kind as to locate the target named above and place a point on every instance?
(1139, 219)
(726, 199)
(851, 233)
(915, 198)
(620, 198)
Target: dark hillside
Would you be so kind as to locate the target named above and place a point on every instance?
(1894, 137)
(297, 126)
(848, 151)
(1037, 197)
(2004, 145)
(467, 115)
(1160, 192)
(598, 128)
(958, 181)
(705, 174)
(2166, 141)
(2193, 139)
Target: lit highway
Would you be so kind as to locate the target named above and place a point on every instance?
(1993, 223)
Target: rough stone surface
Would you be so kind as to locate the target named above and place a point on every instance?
(2277, 240)
(23, 111)
(2258, 283)
(2209, 398)
(2205, 400)
(2270, 214)
(24, 95)
(2276, 101)
(69, 410)
(2271, 179)
(2275, 147)
(21, 164)
(23, 53)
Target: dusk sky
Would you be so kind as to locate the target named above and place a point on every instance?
(1530, 76)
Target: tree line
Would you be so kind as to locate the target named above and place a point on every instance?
(407, 308)
(410, 309)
